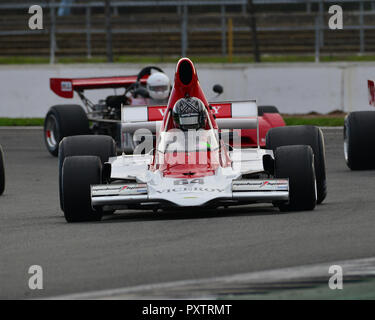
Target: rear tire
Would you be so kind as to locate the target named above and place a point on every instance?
(267, 109)
(2, 172)
(103, 147)
(303, 135)
(297, 164)
(63, 121)
(359, 140)
(78, 174)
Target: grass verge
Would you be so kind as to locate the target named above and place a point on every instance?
(16, 122)
(321, 121)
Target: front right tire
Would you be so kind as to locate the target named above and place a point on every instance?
(296, 163)
(303, 135)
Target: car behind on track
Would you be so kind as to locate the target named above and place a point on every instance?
(105, 116)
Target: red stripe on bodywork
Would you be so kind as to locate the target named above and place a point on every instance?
(156, 113)
(222, 110)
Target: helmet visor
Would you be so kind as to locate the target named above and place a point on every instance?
(189, 121)
(158, 88)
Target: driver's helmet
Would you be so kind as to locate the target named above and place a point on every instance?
(158, 86)
(189, 113)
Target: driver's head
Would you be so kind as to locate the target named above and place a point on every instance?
(158, 86)
(189, 113)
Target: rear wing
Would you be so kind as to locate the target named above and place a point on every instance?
(371, 91)
(65, 87)
(229, 115)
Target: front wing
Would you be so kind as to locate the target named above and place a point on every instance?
(239, 192)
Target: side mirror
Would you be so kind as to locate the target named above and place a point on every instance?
(218, 89)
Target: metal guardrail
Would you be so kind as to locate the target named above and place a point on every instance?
(182, 9)
(145, 3)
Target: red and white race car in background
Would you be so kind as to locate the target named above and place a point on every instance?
(359, 136)
(288, 172)
(104, 117)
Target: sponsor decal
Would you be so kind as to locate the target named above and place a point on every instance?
(261, 183)
(190, 189)
(66, 86)
(222, 110)
(156, 113)
(103, 190)
(254, 185)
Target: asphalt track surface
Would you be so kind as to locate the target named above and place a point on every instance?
(136, 248)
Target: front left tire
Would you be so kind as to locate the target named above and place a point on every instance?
(101, 146)
(78, 174)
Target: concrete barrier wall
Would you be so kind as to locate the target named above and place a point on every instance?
(293, 88)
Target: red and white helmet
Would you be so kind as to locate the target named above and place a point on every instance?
(158, 86)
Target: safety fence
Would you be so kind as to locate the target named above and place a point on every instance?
(205, 27)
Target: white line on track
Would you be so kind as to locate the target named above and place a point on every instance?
(359, 267)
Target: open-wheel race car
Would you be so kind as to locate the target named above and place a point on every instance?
(191, 164)
(104, 117)
(359, 136)
(2, 171)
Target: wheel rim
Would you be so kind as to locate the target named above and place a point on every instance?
(51, 132)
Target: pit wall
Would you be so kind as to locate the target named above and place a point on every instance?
(294, 88)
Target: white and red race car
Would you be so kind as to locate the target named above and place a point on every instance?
(198, 168)
(359, 136)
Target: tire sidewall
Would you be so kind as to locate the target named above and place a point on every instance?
(53, 113)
